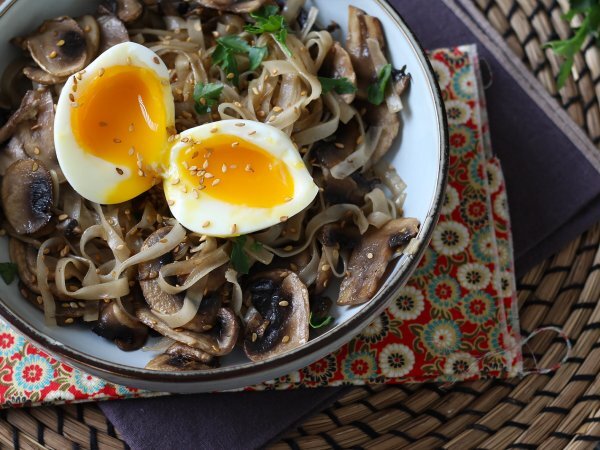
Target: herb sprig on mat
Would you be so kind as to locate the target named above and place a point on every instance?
(590, 26)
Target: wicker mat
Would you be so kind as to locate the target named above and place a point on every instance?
(558, 410)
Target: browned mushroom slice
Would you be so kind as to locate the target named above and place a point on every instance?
(117, 326)
(401, 81)
(22, 255)
(390, 125)
(126, 10)
(26, 111)
(164, 303)
(233, 5)
(40, 76)
(338, 64)
(219, 341)
(37, 137)
(112, 31)
(58, 47)
(369, 260)
(27, 196)
(360, 27)
(14, 85)
(277, 321)
(91, 32)
(180, 357)
(10, 153)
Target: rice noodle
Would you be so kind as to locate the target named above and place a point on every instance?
(236, 297)
(191, 303)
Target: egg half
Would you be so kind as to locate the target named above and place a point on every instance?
(113, 134)
(112, 122)
(235, 177)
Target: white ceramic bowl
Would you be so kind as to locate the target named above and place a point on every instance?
(420, 156)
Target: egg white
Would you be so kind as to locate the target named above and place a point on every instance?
(93, 177)
(193, 212)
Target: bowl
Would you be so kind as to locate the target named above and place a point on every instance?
(420, 155)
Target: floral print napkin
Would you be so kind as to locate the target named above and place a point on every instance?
(456, 318)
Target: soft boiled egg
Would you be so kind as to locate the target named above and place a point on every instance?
(236, 176)
(115, 138)
(112, 122)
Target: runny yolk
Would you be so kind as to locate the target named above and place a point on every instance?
(236, 171)
(121, 118)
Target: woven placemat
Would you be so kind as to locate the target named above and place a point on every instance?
(558, 410)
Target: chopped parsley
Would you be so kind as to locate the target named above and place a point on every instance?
(228, 47)
(268, 21)
(206, 96)
(339, 85)
(8, 272)
(376, 91)
(316, 323)
(239, 258)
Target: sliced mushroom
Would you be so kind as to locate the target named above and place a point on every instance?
(91, 32)
(26, 111)
(277, 321)
(360, 27)
(401, 80)
(59, 46)
(164, 303)
(320, 307)
(40, 76)
(112, 31)
(22, 255)
(10, 153)
(126, 10)
(117, 326)
(339, 235)
(233, 5)
(369, 260)
(351, 189)
(338, 64)
(27, 196)
(180, 357)
(219, 341)
(37, 137)
(14, 85)
(390, 125)
(66, 312)
(330, 153)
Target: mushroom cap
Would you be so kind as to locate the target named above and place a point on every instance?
(337, 64)
(369, 259)
(27, 196)
(59, 46)
(277, 321)
(112, 31)
(116, 326)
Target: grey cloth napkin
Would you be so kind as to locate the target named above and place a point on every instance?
(553, 183)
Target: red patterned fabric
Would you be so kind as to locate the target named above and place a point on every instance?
(456, 319)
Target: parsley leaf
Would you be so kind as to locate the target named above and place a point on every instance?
(268, 21)
(339, 85)
(316, 323)
(206, 96)
(376, 91)
(239, 258)
(8, 272)
(568, 48)
(228, 47)
(256, 246)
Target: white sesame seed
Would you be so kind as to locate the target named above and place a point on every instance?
(339, 145)
(283, 218)
(233, 166)
(208, 175)
(254, 337)
(251, 133)
(233, 228)
(284, 303)
(175, 181)
(255, 91)
(288, 248)
(325, 267)
(216, 181)
(69, 320)
(370, 255)
(100, 72)
(214, 129)
(120, 247)
(171, 202)
(34, 167)
(205, 165)
(248, 168)
(224, 168)
(277, 109)
(206, 224)
(285, 339)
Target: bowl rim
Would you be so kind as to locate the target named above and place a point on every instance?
(309, 351)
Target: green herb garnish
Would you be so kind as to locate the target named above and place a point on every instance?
(228, 47)
(8, 272)
(268, 21)
(319, 324)
(376, 91)
(339, 85)
(568, 48)
(206, 96)
(239, 258)
(256, 246)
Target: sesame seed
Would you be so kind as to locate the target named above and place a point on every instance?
(195, 193)
(171, 202)
(156, 60)
(277, 109)
(101, 71)
(119, 171)
(217, 181)
(255, 91)
(36, 127)
(325, 267)
(325, 283)
(163, 241)
(254, 337)
(120, 247)
(117, 140)
(39, 300)
(237, 104)
(235, 144)
(175, 181)
(185, 140)
(205, 165)
(370, 255)
(140, 164)
(252, 133)
(284, 303)
(248, 168)
(129, 60)
(208, 175)
(36, 150)
(65, 251)
(74, 105)
(224, 168)
(73, 305)
(288, 248)
(141, 173)
(271, 119)
(71, 97)
(193, 168)
(303, 93)
(216, 34)
(261, 113)
(360, 139)
(184, 189)
(131, 151)
(34, 167)
(79, 76)
(131, 128)
(283, 218)
(274, 71)
(339, 145)
(214, 129)
(230, 76)
(206, 224)
(289, 199)
(233, 228)
(285, 339)
(60, 43)
(69, 320)
(207, 327)
(87, 28)
(53, 54)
